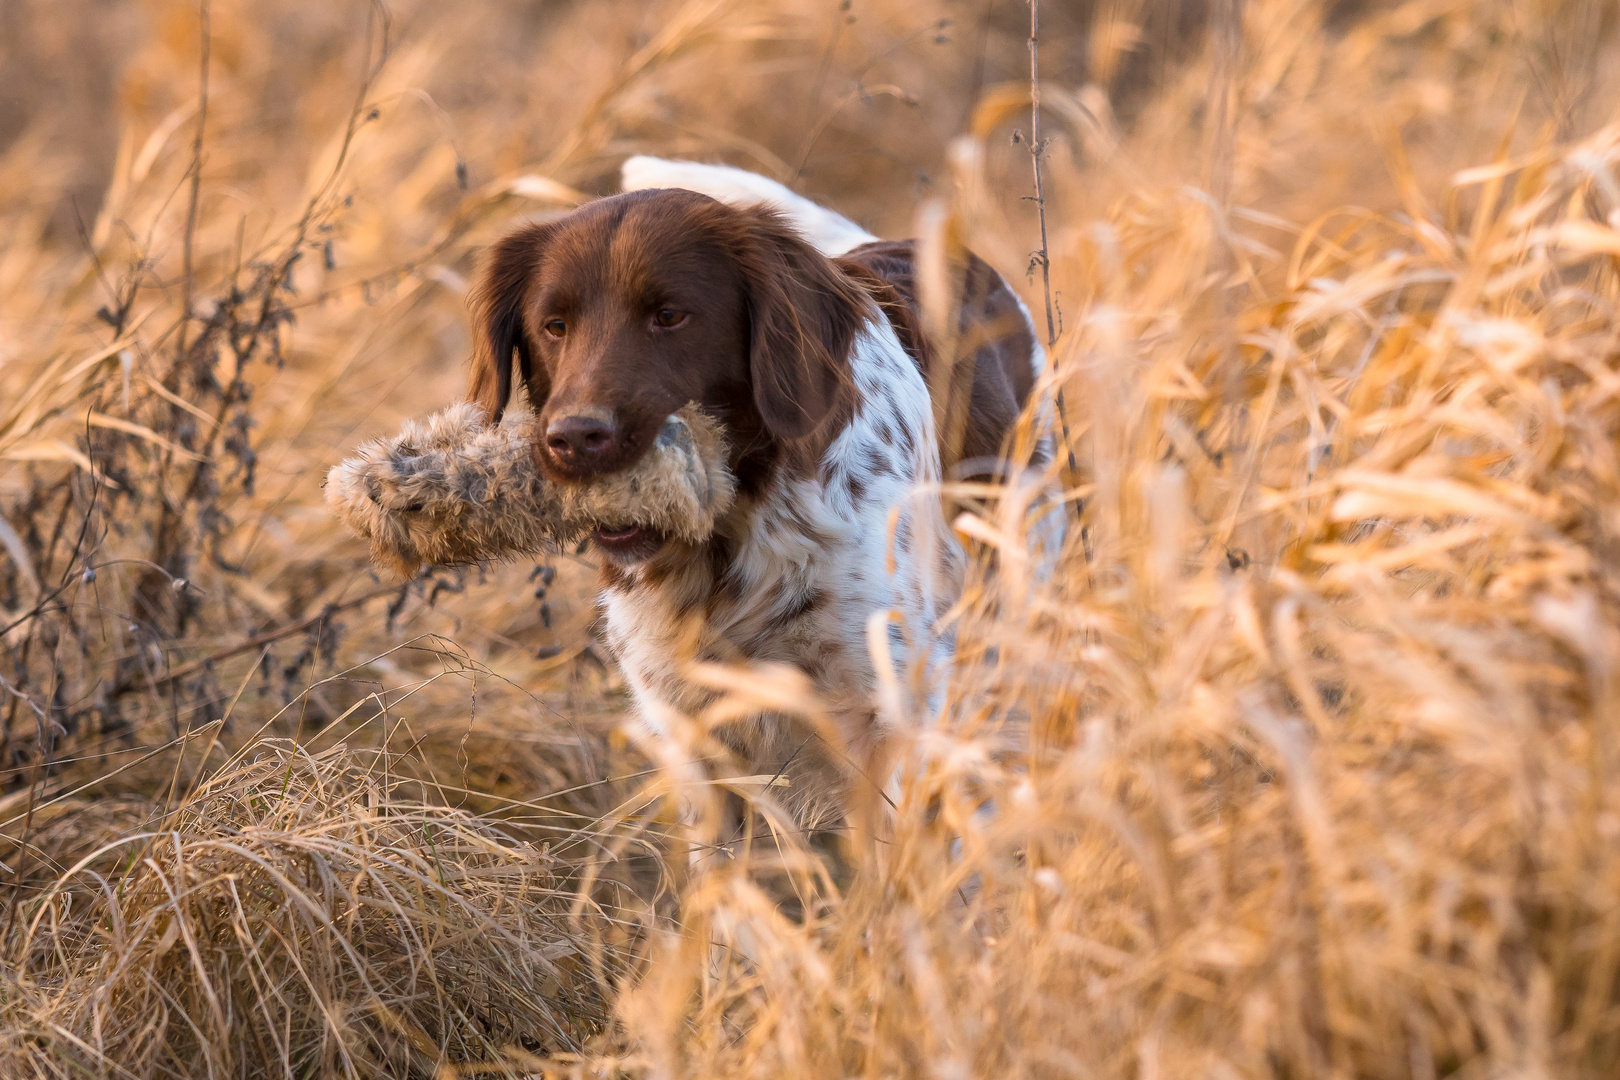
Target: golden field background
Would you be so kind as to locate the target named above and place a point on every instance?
(1303, 764)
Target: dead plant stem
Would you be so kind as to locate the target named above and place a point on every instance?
(187, 281)
(1036, 149)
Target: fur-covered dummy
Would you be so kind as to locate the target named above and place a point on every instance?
(453, 489)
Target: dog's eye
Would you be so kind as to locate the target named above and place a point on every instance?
(556, 327)
(668, 318)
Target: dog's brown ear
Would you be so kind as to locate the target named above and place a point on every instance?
(804, 314)
(498, 329)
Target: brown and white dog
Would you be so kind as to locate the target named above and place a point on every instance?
(800, 333)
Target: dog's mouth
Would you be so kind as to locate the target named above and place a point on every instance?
(628, 543)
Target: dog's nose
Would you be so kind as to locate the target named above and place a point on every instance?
(577, 439)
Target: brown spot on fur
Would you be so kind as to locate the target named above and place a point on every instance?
(807, 603)
(908, 440)
(724, 588)
(616, 577)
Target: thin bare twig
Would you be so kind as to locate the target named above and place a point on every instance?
(1037, 148)
(186, 280)
(269, 636)
(1227, 42)
(839, 21)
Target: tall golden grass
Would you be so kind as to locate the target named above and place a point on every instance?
(1303, 762)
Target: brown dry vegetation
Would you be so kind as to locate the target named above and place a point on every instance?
(1304, 763)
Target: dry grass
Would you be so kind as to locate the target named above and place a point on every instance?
(1303, 763)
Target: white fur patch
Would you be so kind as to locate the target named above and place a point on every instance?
(830, 233)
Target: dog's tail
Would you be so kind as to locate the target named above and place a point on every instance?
(830, 233)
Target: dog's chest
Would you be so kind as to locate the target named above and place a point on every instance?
(789, 595)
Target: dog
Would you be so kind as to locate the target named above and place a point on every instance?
(801, 333)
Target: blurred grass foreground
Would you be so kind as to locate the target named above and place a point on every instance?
(1305, 763)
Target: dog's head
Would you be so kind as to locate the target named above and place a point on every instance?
(629, 307)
